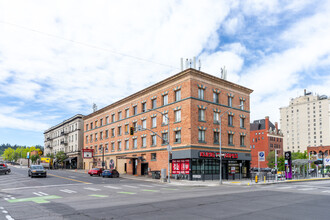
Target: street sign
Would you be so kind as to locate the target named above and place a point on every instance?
(288, 155)
(286, 162)
(326, 161)
(261, 156)
(169, 148)
(28, 155)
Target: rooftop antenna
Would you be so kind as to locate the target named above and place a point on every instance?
(223, 73)
(187, 63)
(94, 107)
(181, 64)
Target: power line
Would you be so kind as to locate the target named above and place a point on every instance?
(88, 45)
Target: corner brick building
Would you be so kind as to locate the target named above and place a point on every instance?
(265, 136)
(193, 102)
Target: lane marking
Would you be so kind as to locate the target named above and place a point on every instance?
(5, 198)
(79, 181)
(37, 194)
(326, 191)
(92, 189)
(8, 217)
(41, 199)
(134, 187)
(150, 190)
(169, 189)
(33, 187)
(1, 208)
(12, 198)
(305, 189)
(4, 211)
(67, 191)
(44, 194)
(101, 196)
(285, 187)
(127, 193)
(146, 185)
(112, 187)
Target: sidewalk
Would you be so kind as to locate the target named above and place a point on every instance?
(243, 182)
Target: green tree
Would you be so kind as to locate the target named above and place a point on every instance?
(34, 158)
(8, 154)
(60, 157)
(50, 155)
(271, 159)
(299, 155)
(280, 163)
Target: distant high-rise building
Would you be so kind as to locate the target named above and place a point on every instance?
(305, 122)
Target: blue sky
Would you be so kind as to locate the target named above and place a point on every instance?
(57, 59)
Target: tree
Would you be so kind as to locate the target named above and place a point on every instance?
(299, 155)
(8, 154)
(271, 159)
(34, 158)
(60, 157)
(50, 155)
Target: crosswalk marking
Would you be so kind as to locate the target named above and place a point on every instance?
(40, 194)
(92, 189)
(146, 185)
(67, 191)
(131, 186)
(112, 187)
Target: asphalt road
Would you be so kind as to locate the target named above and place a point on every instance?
(69, 195)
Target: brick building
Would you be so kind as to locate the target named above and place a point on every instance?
(264, 136)
(317, 152)
(193, 102)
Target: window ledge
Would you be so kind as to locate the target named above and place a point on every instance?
(242, 128)
(179, 142)
(231, 126)
(231, 144)
(143, 146)
(177, 122)
(153, 145)
(201, 120)
(153, 160)
(204, 142)
(242, 145)
(216, 143)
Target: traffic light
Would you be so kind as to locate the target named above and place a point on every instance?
(131, 130)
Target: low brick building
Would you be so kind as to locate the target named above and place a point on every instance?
(264, 136)
(191, 102)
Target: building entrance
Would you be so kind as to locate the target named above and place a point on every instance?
(144, 169)
(134, 166)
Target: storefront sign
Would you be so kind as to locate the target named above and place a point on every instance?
(180, 166)
(212, 154)
(87, 153)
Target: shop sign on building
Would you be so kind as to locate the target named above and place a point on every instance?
(213, 154)
(180, 166)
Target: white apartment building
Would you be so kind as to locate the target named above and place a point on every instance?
(306, 122)
(67, 137)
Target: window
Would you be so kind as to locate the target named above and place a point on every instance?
(177, 116)
(230, 120)
(153, 122)
(242, 122)
(107, 120)
(177, 95)
(112, 132)
(177, 135)
(144, 107)
(135, 143)
(201, 115)
(126, 129)
(242, 143)
(215, 97)
(154, 103)
(165, 138)
(201, 136)
(101, 135)
(126, 144)
(119, 115)
(165, 99)
(216, 137)
(144, 124)
(144, 141)
(216, 117)
(119, 130)
(230, 139)
(101, 122)
(106, 147)
(86, 127)
(165, 119)
(241, 105)
(86, 139)
(201, 93)
(153, 140)
(135, 126)
(113, 118)
(153, 156)
(95, 136)
(230, 101)
(107, 134)
(134, 110)
(95, 124)
(91, 125)
(126, 113)
(91, 138)
(119, 145)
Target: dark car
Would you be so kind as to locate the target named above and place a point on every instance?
(4, 170)
(110, 173)
(95, 171)
(37, 170)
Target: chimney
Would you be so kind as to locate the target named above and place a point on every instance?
(304, 92)
(267, 123)
(276, 127)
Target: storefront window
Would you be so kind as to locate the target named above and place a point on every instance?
(205, 166)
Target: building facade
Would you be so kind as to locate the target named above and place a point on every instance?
(184, 109)
(67, 137)
(264, 137)
(306, 122)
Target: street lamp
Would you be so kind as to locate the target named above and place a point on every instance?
(168, 141)
(220, 173)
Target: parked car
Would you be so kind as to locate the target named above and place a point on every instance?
(110, 173)
(37, 170)
(4, 170)
(95, 171)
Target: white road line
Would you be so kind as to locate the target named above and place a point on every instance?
(44, 194)
(4, 211)
(92, 189)
(135, 187)
(159, 185)
(37, 194)
(12, 198)
(8, 217)
(5, 198)
(285, 187)
(112, 187)
(67, 191)
(32, 187)
(326, 191)
(305, 189)
(146, 185)
(1, 207)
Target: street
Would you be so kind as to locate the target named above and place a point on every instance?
(72, 195)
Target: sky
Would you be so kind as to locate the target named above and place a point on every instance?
(57, 58)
